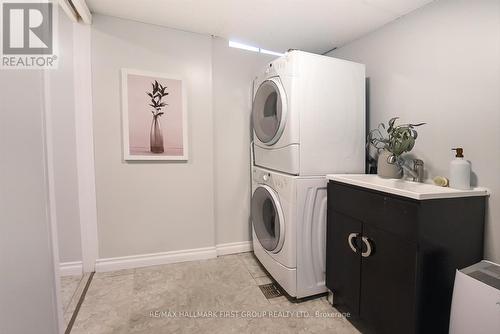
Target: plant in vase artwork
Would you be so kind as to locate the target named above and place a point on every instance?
(391, 142)
(154, 116)
(157, 94)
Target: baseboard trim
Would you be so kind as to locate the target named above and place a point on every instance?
(71, 268)
(234, 248)
(154, 259)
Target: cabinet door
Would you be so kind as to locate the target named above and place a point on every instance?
(388, 282)
(342, 263)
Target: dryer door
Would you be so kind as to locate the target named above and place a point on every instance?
(269, 111)
(267, 218)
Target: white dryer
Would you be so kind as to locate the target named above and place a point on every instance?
(308, 115)
(289, 229)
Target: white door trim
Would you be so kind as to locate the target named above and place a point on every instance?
(51, 197)
(85, 144)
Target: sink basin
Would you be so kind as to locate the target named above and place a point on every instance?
(415, 190)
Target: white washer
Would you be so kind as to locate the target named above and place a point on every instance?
(309, 115)
(289, 229)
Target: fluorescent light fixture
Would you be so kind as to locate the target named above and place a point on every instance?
(243, 46)
(247, 47)
(271, 52)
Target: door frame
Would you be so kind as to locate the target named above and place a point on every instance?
(85, 144)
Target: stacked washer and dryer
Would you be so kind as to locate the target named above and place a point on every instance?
(308, 119)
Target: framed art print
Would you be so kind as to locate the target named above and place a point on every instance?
(154, 116)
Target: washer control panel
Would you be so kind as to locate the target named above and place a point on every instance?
(261, 176)
(273, 180)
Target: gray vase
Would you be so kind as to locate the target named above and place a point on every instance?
(155, 136)
(387, 170)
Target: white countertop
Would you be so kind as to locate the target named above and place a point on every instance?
(415, 190)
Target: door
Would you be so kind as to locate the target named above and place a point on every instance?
(267, 218)
(388, 281)
(343, 260)
(269, 111)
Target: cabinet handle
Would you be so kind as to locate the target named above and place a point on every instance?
(349, 241)
(369, 248)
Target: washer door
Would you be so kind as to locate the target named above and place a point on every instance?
(267, 218)
(269, 111)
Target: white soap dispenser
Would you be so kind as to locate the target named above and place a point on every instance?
(459, 171)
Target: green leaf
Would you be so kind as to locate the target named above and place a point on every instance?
(391, 123)
(411, 144)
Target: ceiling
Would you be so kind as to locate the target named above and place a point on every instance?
(278, 25)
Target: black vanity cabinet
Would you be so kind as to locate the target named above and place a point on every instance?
(391, 260)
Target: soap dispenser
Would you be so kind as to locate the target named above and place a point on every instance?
(459, 171)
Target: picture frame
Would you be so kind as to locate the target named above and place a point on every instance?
(154, 116)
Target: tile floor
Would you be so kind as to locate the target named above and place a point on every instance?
(71, 290)
(166, 299)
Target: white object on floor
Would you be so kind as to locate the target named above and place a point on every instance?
(309, 115)
(476, 300)
(415, 190)
(289, 229)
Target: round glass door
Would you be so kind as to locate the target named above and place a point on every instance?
(267, 218)
(269, 111)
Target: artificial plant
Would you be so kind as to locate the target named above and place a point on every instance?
(394, 138)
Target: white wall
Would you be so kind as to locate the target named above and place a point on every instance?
(64, 150)
(27, 280)
(233, 72)
(148, 207)
(441, 65)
